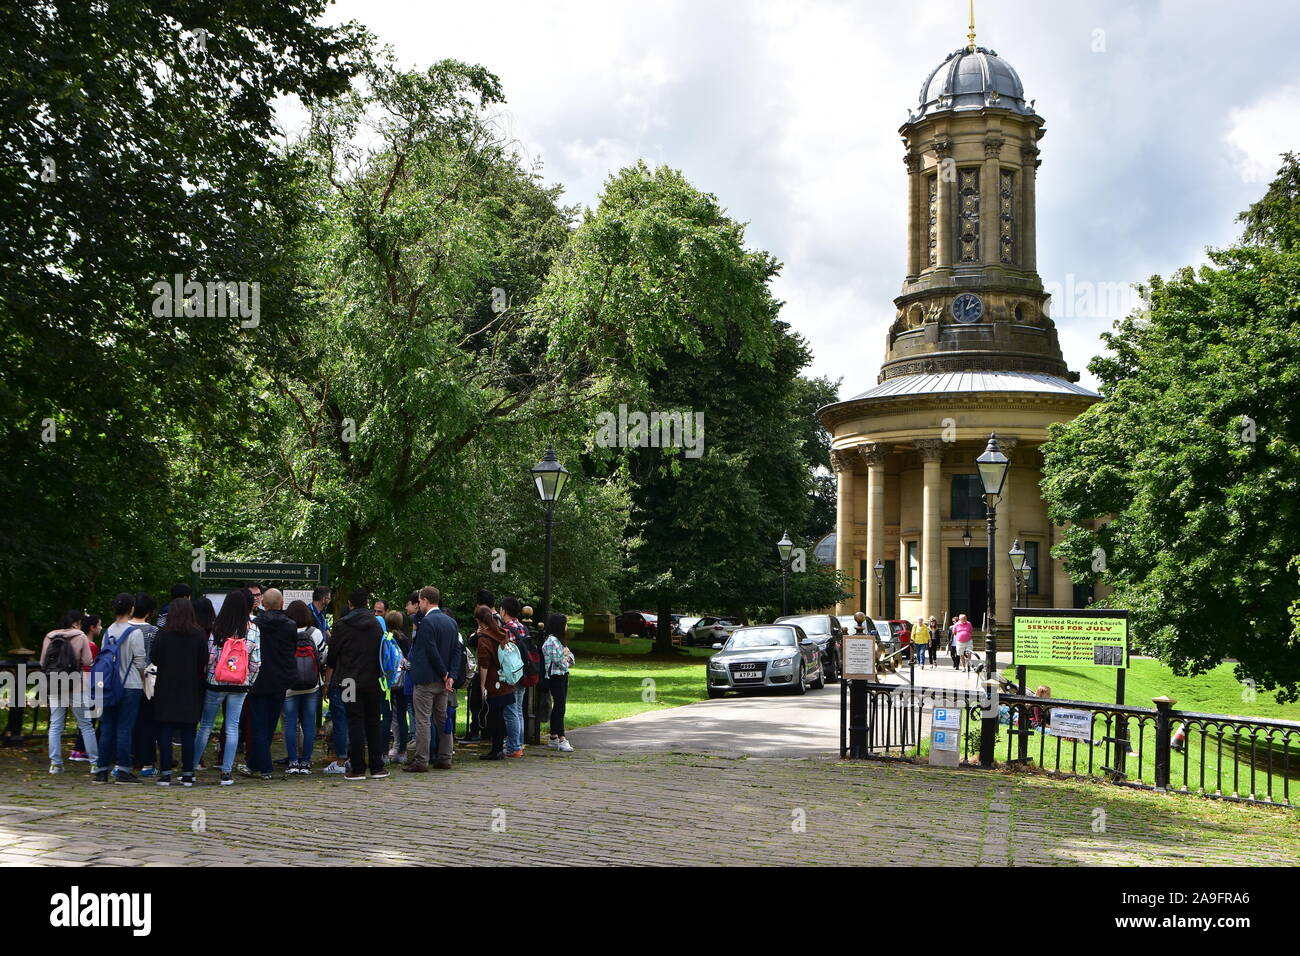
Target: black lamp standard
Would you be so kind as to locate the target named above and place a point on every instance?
(992, 467)
(880, 586)
(783, 548)
(1019, 566)
(549, 476)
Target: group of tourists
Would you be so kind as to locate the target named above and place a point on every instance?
(383, 683)
(925, 640)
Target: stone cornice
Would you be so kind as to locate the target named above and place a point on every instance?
(832, 415)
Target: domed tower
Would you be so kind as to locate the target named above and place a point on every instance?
(972, 299)
(971, 350)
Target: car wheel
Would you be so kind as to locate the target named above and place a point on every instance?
(801, 685)
(833, 674)
(820, 682)
(715, 692)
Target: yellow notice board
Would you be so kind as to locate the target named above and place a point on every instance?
(1066, 638)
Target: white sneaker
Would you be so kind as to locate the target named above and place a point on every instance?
(564, 746)
(553, 743)
(336, 767)
(56, 768)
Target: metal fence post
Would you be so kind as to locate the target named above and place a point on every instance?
(858, 720)
(1164, 706)
(989, 725)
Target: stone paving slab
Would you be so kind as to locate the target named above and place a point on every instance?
(604, 808)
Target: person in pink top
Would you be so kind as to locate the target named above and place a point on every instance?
(961, 640)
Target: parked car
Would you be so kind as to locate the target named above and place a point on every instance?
(766, 657)
(886, 635)
(826, 630)
(711, 630)
(682, 624)
(637, 623)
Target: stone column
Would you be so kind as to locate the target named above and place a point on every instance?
(917, 225)
(946, 183)
(874, 455)
(1027, 238)
(990, 241)
(1062, 586)
(843, 460)
(931, 450)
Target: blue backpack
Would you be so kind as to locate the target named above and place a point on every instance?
(106, 683)
(510, 663)
(390, 659)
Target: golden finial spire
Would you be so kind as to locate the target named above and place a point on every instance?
(971, 36)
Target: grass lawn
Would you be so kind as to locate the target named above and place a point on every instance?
(608, 680)
(1215, 692)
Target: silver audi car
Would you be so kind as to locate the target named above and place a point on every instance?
(766, 657)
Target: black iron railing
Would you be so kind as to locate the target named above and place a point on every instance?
(1244, 759)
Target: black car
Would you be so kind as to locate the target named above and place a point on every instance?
(826, 630)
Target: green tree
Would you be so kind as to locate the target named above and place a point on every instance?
(1192, 461)
(661, 293)
(138, 147)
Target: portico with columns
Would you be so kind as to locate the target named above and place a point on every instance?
(972, 350)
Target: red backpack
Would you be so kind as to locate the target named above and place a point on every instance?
(232, 662)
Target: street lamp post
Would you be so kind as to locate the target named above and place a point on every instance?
(992, 466)
(879, 569)
(1022, 568)
(549, 476)
(783, 548)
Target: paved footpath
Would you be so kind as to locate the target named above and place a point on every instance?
(600, 807)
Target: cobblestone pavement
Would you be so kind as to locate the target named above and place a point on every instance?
(603, 808)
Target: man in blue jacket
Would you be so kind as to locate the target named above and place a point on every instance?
(433, 657)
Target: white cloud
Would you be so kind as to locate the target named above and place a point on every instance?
(788, 112)
(1258, 134)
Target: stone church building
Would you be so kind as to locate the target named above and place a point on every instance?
(972, 350)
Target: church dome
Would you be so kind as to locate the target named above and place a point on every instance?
(972, 80)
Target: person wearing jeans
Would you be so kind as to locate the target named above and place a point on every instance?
(511, 609)
(64, 667)
(300, 703)
(231, 623)
(117, 723)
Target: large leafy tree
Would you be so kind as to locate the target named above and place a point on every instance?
(137, 145)
(1190, 466)
(684, 321)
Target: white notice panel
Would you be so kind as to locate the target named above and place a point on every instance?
(859, 657)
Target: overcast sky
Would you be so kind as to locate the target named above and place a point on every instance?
(1164, 120)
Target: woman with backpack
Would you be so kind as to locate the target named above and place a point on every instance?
(301, 698)
(557, 659)
(65, 658)
(180, 653)
(492, 638)
(234, 658)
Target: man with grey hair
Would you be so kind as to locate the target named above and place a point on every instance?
(266, 697)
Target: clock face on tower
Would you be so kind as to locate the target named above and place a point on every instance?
(967, 307)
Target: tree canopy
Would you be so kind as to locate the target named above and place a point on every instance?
(1191, 464)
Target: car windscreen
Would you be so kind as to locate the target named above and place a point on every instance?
(811, 625)
(761, 637)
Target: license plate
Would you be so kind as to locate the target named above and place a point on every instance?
(749, 673)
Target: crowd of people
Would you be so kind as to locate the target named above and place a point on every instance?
(925, 640)
(384, 684)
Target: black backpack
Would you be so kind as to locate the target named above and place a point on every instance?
(459, 666)
(532, 662)
(306, 662)
(59, 657)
